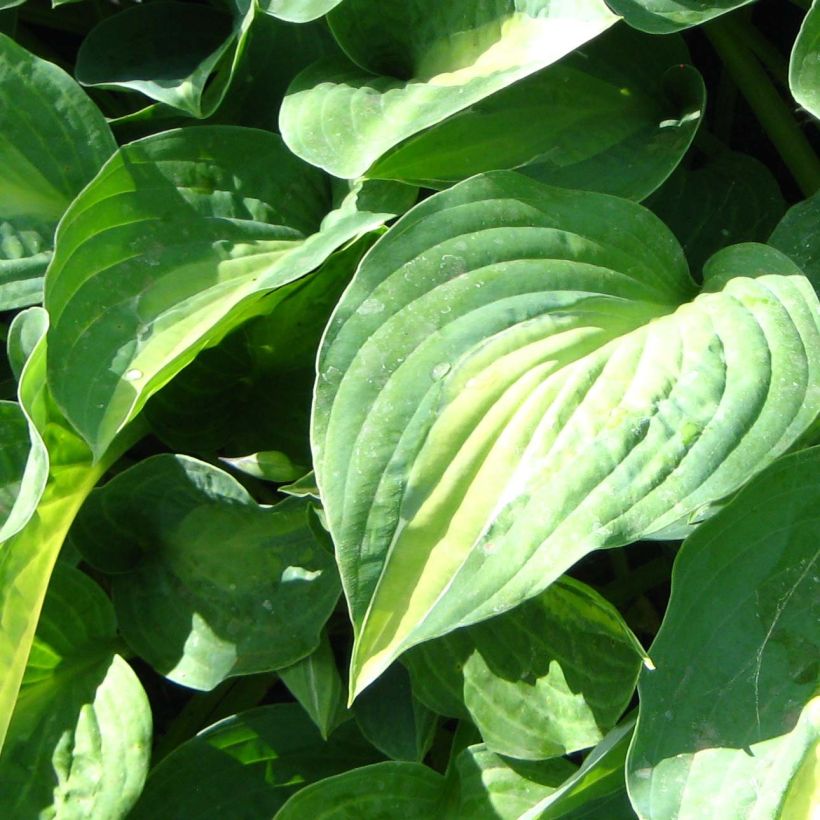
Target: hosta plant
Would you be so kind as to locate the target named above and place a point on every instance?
(409, 409)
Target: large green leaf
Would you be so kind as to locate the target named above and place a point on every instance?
(729, 719)
(665, 16)
(519, 375)
(143, 49)
(615, 116)
(804, 68)
(53, 139)
(798, 236)
(246, 766)
(549, 678)
(207, 584)
(27, 558)
(175, 243)
(298, 11)
(79, 742)
(730, 198)
(480, 785)
(416, 62)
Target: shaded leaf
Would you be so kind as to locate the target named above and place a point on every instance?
(730, 198)
(665, 16)
(46, 157)
(80, 735)
(546, 679)
(804, 67)
(729, 718)
(315, 682)
(174, 244)
(246, 766)
(393, 720)
(614, 116)
(519, 375)
(798, 236)
(207, 584)
(417, 62)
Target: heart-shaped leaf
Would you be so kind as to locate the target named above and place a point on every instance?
(207, 584)
(174, 244)
(81, 730)
(549, 678)
(416, 62)
(46, 157)
(804, 68)
(615, 116)
(665, 16)
(519, 375)
(729, 718)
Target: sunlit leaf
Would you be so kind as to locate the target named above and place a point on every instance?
(729, 718)
(298, 11)
(665, 16)
(519, 375)
(804, 68)
(80, 735)
(416, 62)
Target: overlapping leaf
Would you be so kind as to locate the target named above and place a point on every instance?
(140, 49)
(729, 719)
(174, 244)
(804, 69)
(298, 11)
(519, 375)
(730, 198)
(615, 116)
(246, 766)
(414, 63)
(207, 584)
(81, 731)
(49, 149)
(665, 16)
(549, 678)
(798, 236)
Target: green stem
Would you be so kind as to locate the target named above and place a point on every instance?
(768, 106)
(772, 59)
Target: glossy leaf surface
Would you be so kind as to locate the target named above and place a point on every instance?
(542, 385)
(804, 69)
(665, 16)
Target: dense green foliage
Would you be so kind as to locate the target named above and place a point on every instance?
(409, 409)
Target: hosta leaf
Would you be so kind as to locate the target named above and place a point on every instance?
(174, 243)
(315, 682)
(246, 766)
(80, 738)
(27, 558)
(729, 719)
(730, 198)
(481, 786)
(665, 16)
(519, 375)
(804, 68)
(549, 678)
(50, 147)
(298, 11)
(416, 62)
(270, 465)
(615, 116)
(393, 720)
(798, 236)
(141, 49)
(597, 786)
(207, 584)
(254, 389)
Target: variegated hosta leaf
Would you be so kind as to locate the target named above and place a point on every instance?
(519, 375)
(416, 62)
(171, 246)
